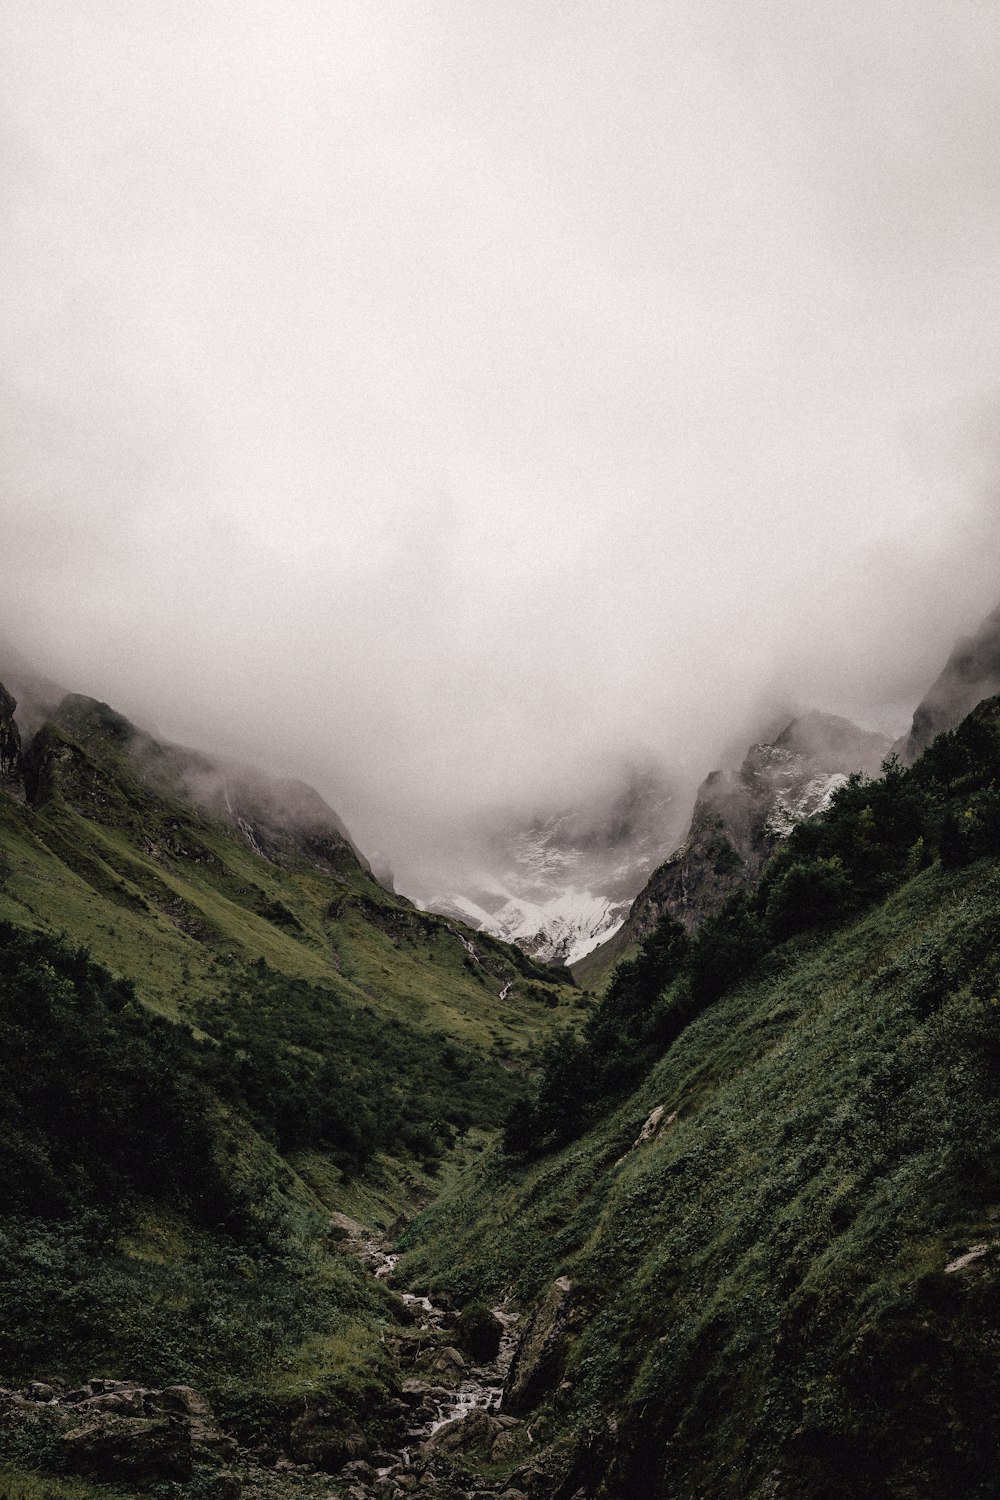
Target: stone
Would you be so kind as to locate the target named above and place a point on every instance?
(476, 1430)
(227, 1487)
(319, 1436)
(187, 1402)
(40, 1390)
(506, 1444)
(414, 1391)
(113, 1447)
(479, 1334)
(540, 1357)
(126, 1403)
(343, 1228)
(209, 1442)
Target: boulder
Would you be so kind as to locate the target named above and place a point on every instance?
(210, 1443)
(127, 1403)
(343, 1228)
(507, 1442)
(186, 1402)
(479, 1333)
(540, 1357)
(113, 1448)
(476, 1430)
(322, 1437)
(441, 1361)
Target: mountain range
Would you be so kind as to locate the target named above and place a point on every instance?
(725, 1210)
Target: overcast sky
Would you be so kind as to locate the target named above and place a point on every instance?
(443, 401)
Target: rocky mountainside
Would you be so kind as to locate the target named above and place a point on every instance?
(559, 885)
(741, 816)
(971, 673)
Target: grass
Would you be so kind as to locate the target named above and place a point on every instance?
(21, 1484)
(762, 1284)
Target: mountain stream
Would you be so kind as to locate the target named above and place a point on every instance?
(433, 1404)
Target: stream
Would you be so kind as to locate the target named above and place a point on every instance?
(435, 1404)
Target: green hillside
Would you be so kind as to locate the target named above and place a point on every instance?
(215, 1030)
(790, 1287)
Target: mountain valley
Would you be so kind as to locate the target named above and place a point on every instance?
(310, 1191)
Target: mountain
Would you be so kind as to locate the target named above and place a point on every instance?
(218, 1032)
(753, 1208)
(559, 884)
(739, 819)
(971, 673)
(730, 1230)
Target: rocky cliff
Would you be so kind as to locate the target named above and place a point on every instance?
(10, 742)
(971, 673)
(740, 817)
(561, 883)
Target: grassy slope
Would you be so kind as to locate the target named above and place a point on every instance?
(763, 1284)
(165, 895)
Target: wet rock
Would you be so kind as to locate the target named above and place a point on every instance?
(114, 1447)
(540, 1356)
(442, 1361)
(477, 1430)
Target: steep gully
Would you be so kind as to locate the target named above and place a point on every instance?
(454, 1406)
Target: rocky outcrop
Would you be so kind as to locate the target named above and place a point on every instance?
(971, 673)
(741, 816)
(540, 1357)
(114, 1448)
(10, 745)
(479, 1332)
(116, 1432)
(322, 1436)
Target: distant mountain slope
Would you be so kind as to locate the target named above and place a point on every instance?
(167, 862)
(971, 673)
(558, 885)
(739, 818)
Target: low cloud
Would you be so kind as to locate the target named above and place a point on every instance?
(451, 406)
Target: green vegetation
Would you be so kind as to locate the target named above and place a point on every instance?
(767, 1159)
(875, 834)
(130, 1242)
(767, 1301)
(202, 1053)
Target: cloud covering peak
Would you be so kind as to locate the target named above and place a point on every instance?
(440, 401)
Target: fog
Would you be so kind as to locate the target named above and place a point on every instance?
(451, 403)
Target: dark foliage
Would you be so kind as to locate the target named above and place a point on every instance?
(100, 1103)
(620, 1040)
(312, 1069)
